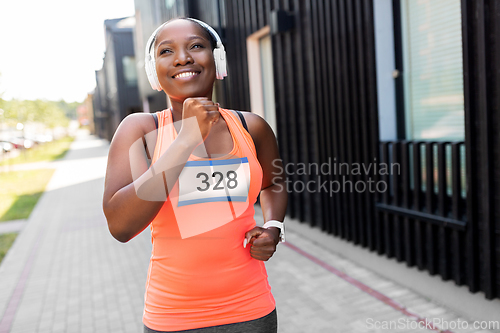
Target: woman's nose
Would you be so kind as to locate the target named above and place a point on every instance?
(183, 58)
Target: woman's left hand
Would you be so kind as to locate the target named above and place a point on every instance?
(262, 242)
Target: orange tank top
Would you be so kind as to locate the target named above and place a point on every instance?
(199, 273)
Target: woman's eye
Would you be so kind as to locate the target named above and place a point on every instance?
(165, 51)
(197, 46)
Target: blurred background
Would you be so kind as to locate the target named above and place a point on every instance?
(414, 83)
(46, 94)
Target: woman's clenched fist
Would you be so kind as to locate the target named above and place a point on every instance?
(206, 113)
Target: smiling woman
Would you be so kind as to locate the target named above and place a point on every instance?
(193, 173)
(184, 62)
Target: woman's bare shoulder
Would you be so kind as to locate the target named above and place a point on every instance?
(259, 129)
(257, 126)
(137, 124)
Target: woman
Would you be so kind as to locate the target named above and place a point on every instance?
(206, 272)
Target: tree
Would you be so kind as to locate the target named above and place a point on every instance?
(38, 111)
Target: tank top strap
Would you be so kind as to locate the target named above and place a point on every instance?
(244, 138)
(163, 138)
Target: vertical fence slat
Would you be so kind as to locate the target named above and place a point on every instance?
(345, 122)
(261, 14)
(469, 10)
(456, 174)
(409, 241)
(345, 9)
(294, 208)
(240, 23)
(363, 197)
(363, 48)
(335, 206)
(311, 118)
(299, 139)
(387, 235)
(429, 203)
(484, 156)
(443, 209)
(253, 15)
(326, 112)
(353, 118)
(417, 205)
(289, 112)
(338, 59)
(457, 211)
(319, 96)
(371, 95)
(396, 201)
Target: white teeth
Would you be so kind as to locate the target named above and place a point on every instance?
(186, 74)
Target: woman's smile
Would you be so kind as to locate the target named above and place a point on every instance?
(185, 76)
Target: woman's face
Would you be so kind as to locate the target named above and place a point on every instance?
(184, 60)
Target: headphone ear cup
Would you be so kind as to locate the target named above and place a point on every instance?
(151, 73)
(220, 63)
(155, 77)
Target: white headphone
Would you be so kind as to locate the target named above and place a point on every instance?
(219, 56)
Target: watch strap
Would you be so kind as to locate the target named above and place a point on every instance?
(277, 224)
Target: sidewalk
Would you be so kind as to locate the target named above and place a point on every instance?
(12, 226)
(66, 273)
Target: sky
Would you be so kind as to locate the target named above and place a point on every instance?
(50, 49)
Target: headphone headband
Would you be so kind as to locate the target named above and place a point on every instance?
(219, 55)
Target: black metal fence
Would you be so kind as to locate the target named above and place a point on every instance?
(423, 212)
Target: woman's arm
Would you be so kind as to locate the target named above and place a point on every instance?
(273, 196)
(134, 194)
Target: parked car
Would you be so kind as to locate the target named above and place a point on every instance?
(39, 138)
(6, 146)
(16, 143)
(20, 143)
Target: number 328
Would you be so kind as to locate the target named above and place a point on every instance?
(231, 182)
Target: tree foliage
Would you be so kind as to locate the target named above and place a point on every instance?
(49, 113)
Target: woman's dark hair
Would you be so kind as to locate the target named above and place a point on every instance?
(208, 35)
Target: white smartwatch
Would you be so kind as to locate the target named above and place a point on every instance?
(277, 224)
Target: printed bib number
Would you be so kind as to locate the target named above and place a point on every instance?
(211, 181)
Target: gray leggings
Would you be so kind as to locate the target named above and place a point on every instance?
(266, 324)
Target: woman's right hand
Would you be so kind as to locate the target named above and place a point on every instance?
(206, 113)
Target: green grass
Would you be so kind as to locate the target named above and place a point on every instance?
(44, 152)
(6, 241)
(20, 191)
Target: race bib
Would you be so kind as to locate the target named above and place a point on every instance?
(213, 181)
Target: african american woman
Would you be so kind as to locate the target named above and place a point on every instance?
(193, 173)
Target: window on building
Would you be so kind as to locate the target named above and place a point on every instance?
(129, 70)
(260, 73)
(431, 45)
(266, 57)
(433, 69)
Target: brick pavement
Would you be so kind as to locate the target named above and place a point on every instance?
(65, 273)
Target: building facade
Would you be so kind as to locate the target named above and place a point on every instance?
(386, 113)
(116, 94)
